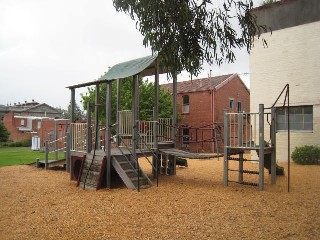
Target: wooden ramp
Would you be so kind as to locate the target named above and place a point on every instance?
(91, 173)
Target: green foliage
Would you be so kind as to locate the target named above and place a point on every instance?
(306, 155)
(4, 133)
(22, 143)
(146, 100)
(187, 33)
(66, 114)
(266, 2)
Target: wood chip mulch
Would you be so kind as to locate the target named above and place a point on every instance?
(194, 204)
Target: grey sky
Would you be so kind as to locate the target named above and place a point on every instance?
(46, 45)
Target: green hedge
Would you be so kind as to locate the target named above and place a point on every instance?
(22, 143)
(306, 155)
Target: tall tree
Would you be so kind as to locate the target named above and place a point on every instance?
(146, 99)
(4, 133)
(186, 33)
(66, 114)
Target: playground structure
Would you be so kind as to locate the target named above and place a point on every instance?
(245, 132)
(95, 157)
(57, 147)
(98, 155)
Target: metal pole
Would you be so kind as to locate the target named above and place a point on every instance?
(288, 139)
(273, 145)
(226, 141)
(108, 133)
(261, 147)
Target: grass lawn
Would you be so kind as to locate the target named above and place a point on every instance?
(20, 155)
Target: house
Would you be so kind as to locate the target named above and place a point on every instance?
(28, 120)
(201, 104)
(292, 57)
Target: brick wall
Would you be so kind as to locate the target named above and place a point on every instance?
(207, 107)
(12, 124)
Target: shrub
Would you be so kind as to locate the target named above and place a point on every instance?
(306, 155)
(22, 143)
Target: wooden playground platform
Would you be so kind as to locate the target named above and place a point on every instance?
(51, 163)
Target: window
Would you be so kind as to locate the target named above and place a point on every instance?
(185, 135)
(185, 107)
(51, 136)
(300, 117)
(239, 107)
(231, 103)
(22, 122)
(39, 125)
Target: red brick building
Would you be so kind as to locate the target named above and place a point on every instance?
(201, 104)
(25, 121)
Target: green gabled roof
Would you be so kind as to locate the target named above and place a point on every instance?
(131, 68)
(144, 66)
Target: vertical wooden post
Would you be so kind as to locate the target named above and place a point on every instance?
(72, 120)
(66, 141)
(73, 105)
(67, 155)
(226, 141)
(240, 177)
(96, 117)
(174, 109)
(156, 119)
(47, 155)
(240, 130)
(56, 136)
(117, 113)
(261, 147)
(89, 130)
(108, 133)
(135, 113)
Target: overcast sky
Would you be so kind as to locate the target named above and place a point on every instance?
(47, 45)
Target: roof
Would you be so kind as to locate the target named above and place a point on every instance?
(203, 84)
(42, 107)
(144, 66)
(130, 68)
(32, 117)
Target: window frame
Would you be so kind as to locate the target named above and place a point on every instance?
(298, 116)
(185, 104)
(231, 103)
(239, 104)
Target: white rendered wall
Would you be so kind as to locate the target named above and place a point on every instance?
(292, 56)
